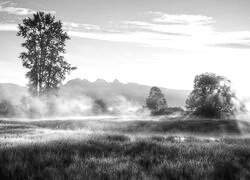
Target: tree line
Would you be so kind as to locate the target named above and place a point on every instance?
(212, 96)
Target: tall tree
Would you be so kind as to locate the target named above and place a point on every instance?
(45, 45)
(212, 96)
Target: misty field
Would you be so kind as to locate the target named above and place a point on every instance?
(113, 148)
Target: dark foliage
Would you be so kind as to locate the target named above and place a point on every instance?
(212, 96)
(45, 43)
(156, 101)
(169, 111)
(99, 107)
(6, 109)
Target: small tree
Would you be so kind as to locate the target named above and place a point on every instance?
(45, 43)
(99, 107)
(212, 96)
(156, 101)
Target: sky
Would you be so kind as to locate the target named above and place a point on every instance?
(158, 43)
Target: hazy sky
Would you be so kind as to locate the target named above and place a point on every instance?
(154, 42)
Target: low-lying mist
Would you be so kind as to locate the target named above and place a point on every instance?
(62, 107)
(76, 102)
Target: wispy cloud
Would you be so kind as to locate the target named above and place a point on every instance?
(72, 26)
(180, 18)
(17, 11)
(180, 29)
(69, 26)
(20, 11)
(182, 32)
(234, 45)
(8, 27)
(186, 32)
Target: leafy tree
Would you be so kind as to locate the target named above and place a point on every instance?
(212, 96)
(45, 43)
(156, 101)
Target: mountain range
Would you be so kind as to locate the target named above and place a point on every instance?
(100, 89)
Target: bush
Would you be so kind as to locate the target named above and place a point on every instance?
(168, 111)
(99, 107)
(173, 110)
(6, 108)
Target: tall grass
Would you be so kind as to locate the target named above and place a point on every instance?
(118, 157)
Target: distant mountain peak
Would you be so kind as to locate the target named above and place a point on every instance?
(108, 91)
(116, 81)
(100, 88)
(100, 81)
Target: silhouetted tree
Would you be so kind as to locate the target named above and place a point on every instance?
(212, 96)
(45, 44)
(156, 101)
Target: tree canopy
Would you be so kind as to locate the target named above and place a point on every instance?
(156, 101)
(45, 45)
(212, 96)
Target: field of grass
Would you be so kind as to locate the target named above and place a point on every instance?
(104, 149)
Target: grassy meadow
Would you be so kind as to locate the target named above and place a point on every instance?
(171, 148)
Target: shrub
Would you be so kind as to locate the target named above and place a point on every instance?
(99, 107)
(6, 108)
